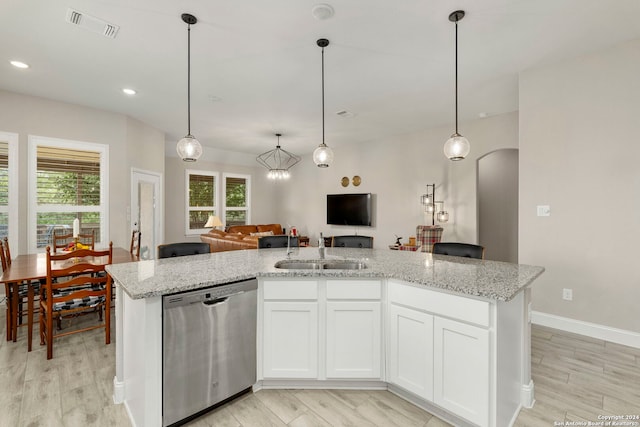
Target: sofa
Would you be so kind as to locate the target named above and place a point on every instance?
(238, 237)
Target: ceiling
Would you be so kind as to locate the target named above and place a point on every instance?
(256, 68)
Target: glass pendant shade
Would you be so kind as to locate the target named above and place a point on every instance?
(323, 156)
(429, 208)
(457, 147)
(443, 216)
(189, 149)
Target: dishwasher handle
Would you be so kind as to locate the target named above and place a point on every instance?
(217, 301)
(221, 300)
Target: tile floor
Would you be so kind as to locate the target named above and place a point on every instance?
(577, 379)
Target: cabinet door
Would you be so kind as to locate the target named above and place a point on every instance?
(290, 340)
(461, 359)
(411, 350)
(354, 339)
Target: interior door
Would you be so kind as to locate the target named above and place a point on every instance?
(146, 210)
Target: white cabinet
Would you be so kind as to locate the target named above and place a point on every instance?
(353, 329)
(290, 348)
(353, 339)
(410, 350)
(290, 329)
(439, 359)
(461, 359)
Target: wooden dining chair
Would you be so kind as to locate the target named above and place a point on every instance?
(61, 241)
(77, 283)
(16, 294)
(135, 243)
(88, 238)
(8, 293)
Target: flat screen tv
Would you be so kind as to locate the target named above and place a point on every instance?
(349, 209)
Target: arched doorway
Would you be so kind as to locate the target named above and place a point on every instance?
(498, 204)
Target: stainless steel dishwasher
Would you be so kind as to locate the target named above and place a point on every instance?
(209, 348)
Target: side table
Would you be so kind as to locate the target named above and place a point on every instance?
(303, 241)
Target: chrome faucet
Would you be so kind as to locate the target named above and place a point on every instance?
(321, 246)
(289, 251)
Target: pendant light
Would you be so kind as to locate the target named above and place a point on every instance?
(323, 155)
(457, 147)
(278, 161)
(189, 149)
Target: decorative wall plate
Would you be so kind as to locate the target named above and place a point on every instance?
(345, 181)
(356, 180)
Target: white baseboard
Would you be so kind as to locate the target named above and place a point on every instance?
(527, 395)
(118, 391)
(594, 330)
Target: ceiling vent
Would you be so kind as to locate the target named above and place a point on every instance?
(91, 23)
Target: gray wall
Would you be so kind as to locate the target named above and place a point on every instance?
(498, 205)
(579, 151)
(397, 171)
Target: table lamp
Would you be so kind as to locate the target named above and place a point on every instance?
(213, 222)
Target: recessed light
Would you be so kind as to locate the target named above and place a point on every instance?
(19, 64)
(322, 11)
(129, 91)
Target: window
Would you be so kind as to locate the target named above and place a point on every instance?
(67, 180)
(9, 188)
(237, 193)
(202, 195)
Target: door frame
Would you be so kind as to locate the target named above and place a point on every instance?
(138, 175)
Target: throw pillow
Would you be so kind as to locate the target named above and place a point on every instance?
(262, 233)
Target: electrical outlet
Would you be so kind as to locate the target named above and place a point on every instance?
(567, 294)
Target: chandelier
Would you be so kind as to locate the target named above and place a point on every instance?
(278, 161)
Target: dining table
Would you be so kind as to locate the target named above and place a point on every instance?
(32, 268)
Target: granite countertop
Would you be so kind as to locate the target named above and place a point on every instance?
(493, 280)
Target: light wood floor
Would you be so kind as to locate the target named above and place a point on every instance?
(576, 378)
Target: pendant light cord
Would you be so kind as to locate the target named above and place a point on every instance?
(189, 79)
(456, 77)
(323, 96)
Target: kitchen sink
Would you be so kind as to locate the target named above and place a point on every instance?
(298, 265)
(320, 265)
(344, 265)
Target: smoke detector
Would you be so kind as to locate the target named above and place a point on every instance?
(91, 23)
(322, 11)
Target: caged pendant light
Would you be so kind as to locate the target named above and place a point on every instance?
(189, 148)
(457, 147)
(278, 161)
(323, 155)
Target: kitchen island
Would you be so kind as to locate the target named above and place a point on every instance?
(475, 315)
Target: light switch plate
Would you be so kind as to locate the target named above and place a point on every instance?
(544, 210)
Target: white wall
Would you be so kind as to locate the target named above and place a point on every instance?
(579, 150)
(131, 144)
(396, 171)
(264, 195)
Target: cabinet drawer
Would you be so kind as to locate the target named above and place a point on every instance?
(291, 290)
(354, 289)
(447, 305)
